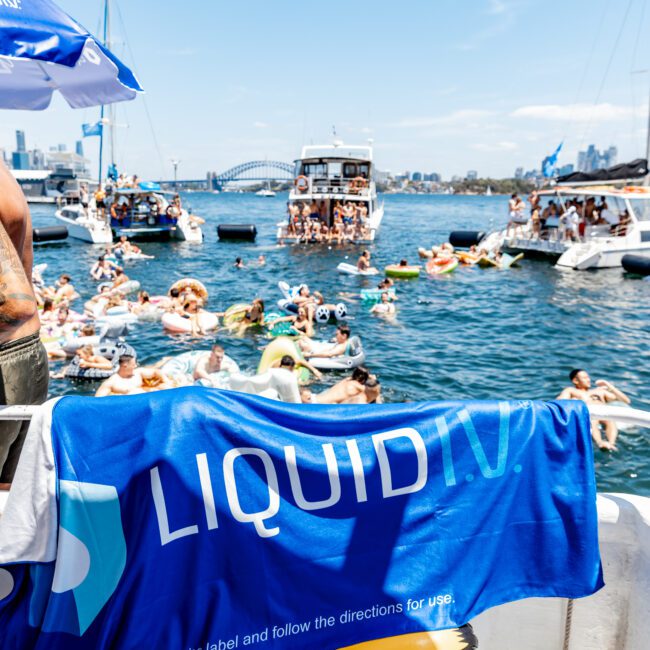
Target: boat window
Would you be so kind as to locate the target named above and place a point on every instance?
(334, 170)
(364, 170)
(349, 170)
(641, 209)
(315, 170)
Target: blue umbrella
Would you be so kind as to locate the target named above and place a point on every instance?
(42, 50)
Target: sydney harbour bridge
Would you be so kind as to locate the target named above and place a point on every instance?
(253, 171)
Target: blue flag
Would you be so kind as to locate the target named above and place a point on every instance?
(197, 518)
(548, 166)
(92, 129)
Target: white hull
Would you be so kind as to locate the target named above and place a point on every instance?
(594, 255)
(615, 618)
(89, 230)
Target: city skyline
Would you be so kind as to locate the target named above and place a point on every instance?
(24, 158)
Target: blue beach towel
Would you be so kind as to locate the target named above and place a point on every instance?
(195, 518)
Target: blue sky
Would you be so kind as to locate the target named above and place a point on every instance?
(440, 85)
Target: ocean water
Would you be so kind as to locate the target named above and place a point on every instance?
(476, 333)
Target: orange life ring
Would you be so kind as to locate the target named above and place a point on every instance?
(300, 185)
(359, 182)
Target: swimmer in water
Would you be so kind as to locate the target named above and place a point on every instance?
(130, 380)
(385, 307)
(604, 393)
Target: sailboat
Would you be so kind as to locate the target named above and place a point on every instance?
(488, 191)
(266, 191)
(141, 211)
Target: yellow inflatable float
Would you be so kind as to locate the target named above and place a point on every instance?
(460, 638)
(276, 349)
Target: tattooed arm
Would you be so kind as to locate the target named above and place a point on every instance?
(14, 216)
(18, 311)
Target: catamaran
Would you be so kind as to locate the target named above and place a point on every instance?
(598, 219)
(330, 176)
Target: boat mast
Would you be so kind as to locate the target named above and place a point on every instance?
(101, 112)
(647, 148)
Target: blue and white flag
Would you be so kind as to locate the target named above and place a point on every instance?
(197, 518)
(550, 162)
(92, 129)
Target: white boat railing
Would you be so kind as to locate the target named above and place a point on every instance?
(621, 414)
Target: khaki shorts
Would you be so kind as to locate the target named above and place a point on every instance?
(24, 376)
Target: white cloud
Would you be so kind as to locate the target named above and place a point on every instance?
(578, 112)
(465, 116)
(505, 145)
(260, 125)
(496, 7)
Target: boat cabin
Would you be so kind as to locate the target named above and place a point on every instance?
(334, 198)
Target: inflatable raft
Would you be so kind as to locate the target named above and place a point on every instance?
(374, 295)
(181, 369)
(278, 348)
(438, 266)
(351, 269)
(353, 357)
(111, 351)
(403, 272)
(176, 323)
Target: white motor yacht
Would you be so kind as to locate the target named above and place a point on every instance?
(135, 212)
(331, 176)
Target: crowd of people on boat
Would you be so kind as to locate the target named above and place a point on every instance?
(311, 223)
(565, 220)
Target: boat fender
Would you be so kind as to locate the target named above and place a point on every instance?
(237, 231)
(636, 264)
(49, 233)
(465, 238)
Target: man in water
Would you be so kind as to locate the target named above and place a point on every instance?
(23, 360)
(129, 379)
(604, 393)
(209, 363)
(337, 349)
(385, 307)
(345, 391)
(363, 263)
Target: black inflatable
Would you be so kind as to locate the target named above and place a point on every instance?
(50, 233)
(244, 231)
(637, 264)
(112, 350)
(465, 238)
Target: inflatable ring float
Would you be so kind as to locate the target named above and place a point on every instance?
(197, 287)
(397, 271)
(276, 349)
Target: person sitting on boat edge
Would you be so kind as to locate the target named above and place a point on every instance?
(605, 393)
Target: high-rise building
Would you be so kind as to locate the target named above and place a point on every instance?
(20, 142)
(592, 159)
(416, 176)
(472, 175)
(79, 148)
(519, 173)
